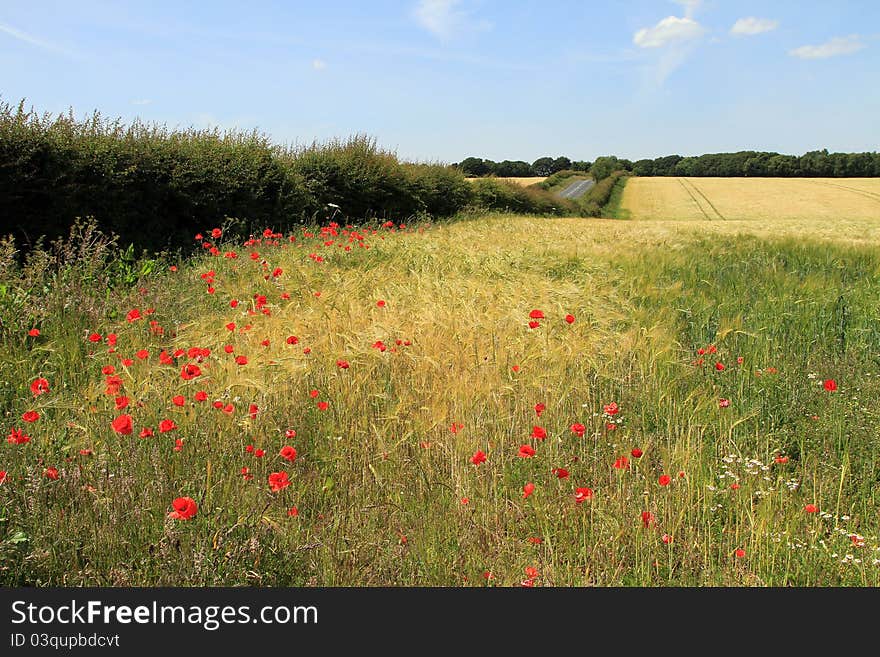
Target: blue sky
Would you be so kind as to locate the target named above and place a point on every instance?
(439, 80)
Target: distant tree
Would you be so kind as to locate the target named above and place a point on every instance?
(665, 166)
(604, 166)
(561, 163)
(643, 167)
(784, 166)
(543, 166)
(473, 166)
(513, 169)
(581, 165)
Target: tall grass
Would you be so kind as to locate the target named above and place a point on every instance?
(383, 483)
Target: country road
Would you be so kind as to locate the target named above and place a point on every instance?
(577, 189)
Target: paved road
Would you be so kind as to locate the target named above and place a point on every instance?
(577, 189)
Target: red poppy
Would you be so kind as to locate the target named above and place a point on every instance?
(278, 481)
(143, 354)
(290, 433)
(719, 367)
(323, 406)
(740, 553)
(622, 463)
(561, 473)
(478, 457)
(636, 453)
(231, 326)
(342, 364)
(611, 409)
(581, 494)
(34, 332)
(39, 386)
(216, 233)
(122, 425)
(830, 385)
(526, 451)
(465, 501)
(146, 432)
(133, 315)
(534, 324)
(647, 518)
(532, 573)
(569, 319)
(51, 473)
(2, 476)
(539, 408)
(108, 369)
(229, 409)
(380, 303)
(17, 437)
(288, 453)
(167, 425)
(515, 369)
(228, 348)
(666, 538)
(190, 372)
(723, 403)
(811, 508)
(184, 508)
(201, 396)
(95, 337)
(253, 409)
(578, 429)
(539, 432)
(536, 314)
(241, 360)
(378, 344)
(259, 453)
(780, 459)
(664, 480)
(121, 402)
(455, 428)
(313, 393)
(528, 489)
(246, 473)
(178, 445)
(178, 400)
(292, 512)
(292, 340)
(30, 416)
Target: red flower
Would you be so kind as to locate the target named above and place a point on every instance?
(313, 393)
(539, 408)
(34, 333)
(611, 409)
(292, 512)
(830, 385)
(322, 405)
(178, 400)
(184, 508)
(811, 508)
(723, 403)
(581, 494)
(228, 348)
(95, 337)
(740, 553)
(478, 457)
(178, 445)
(515, 369)
(534, 324)
(108, 369)
(259, 453)
(201, 396)
(647, 518)
(622, 463)
(719, 367)
(121, 402)
(241, 360)
(122, 425)
(636, 453)
(292, 340)
(253, 409)
(539, 432)
(146, 432)
(133, 315)
(664, 480)
(465, 501)
(666, 538)
(569, 319)
(288, 453)
(455, 428)
(246, 473)
(51, 473)
(380, 303)
(578, 429)
(216, 233)
(17, 437)
(39, 386)
(30, 416)
(2, 476)
(167, 425)
(290, 433)
(560, 473)
(231, 326)
(342, 364)
(278, 481)
(528, 489)
(780, 459)
(143, 354)
(536, 314)
(526, 451)
(190, 372)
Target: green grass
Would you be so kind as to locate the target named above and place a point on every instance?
(613, 209)
(380, 477)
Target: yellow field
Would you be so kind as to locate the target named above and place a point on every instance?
(761, 199)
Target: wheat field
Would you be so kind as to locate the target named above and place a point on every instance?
(752, 199)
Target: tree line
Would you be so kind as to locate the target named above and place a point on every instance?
(813, 164)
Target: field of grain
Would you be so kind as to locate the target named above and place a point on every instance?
(525, 182)
(758, 199)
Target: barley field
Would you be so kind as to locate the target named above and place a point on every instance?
(760, 199)
(496, 401)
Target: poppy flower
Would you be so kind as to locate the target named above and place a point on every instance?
(534, 324)
(515, 369)
(122, 425)
(178, 445)
(2, 476)
(532, 573)
(664, 480)
(292, 512)
(292, 340)
(561, 473)
(288, 453)
(740, 553)
(569, 319)
(190, 372)
(581, 494)
(278, 481)
(17, 437)
(578, 429)
(95, 337)
(647, 519)
(51, 473)
(811, 508)
(121, 402)
(666, 538)
(290, 433)
(455, 428)
(241, 360)
(184, 508)
(526, 451)
(201, 396)
(253, 409)
(611, 409)
(464, 501)
(342, 364)
(178, 400)
(216, 233)
(536, 314)
(539, 408)
(380, 303)
(636, 453)
(720, 367)
(228, 348)
(30, 416)
(142, 354)
(478, 457)
(539, 433)
(259, 453)
(108, 369)
(39, 386)
(830, 385)
(167, 425)
(34, 333)
(622, 463)
(231, 326)
(146, 432)
(246, 473)
(780, 459)
(133, 315)
(313, 393)
(723, 403)
(528, 489)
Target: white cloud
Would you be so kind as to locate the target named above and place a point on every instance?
(32, 40)
(751, 25)
(836, 46)
(142, 101)
(319, 64)
(445, 19)
(670, 30)
(690, 6)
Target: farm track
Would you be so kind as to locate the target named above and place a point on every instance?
(706, 198)
(874, 196)
(694, 199)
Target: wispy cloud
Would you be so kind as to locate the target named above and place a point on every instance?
(319, 64)
(690, 6)
(834, 47)
(32, 40)
(446, 19)
(670, 30)
(750, 26)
